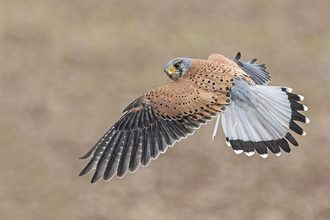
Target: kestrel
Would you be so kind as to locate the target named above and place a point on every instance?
(254, 117)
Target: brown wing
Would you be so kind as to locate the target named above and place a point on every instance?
(252, 72)
(231, 65)
(160, 118)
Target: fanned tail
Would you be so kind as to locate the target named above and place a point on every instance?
(257, 118)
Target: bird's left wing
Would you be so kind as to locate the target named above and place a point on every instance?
(250, 70)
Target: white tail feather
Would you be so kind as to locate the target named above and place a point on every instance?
(216, 127)
(257, 116)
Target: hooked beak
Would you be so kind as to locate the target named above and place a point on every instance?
(169, 71)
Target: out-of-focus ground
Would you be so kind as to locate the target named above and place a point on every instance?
(68, 69)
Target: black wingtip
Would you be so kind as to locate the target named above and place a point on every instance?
(90, 152)
(238, 56)
(96, 177)
(84, 157)
(84, 171)
(253, 61)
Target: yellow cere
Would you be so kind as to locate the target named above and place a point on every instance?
(171, 70)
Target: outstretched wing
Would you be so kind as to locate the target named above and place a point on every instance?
(158, 119)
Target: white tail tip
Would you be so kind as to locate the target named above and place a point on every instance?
(307, 120)
(264, 155)
(278, 154)
(249, 153)
(238, 151)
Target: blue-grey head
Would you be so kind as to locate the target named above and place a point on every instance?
(177, 67)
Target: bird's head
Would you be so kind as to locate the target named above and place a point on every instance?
(177, 67)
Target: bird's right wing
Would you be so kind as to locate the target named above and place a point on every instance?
(155, 121)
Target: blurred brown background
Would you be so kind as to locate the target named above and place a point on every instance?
(68, 69)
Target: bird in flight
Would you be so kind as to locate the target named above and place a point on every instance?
(254, 117)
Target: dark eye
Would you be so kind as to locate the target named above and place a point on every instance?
(176, 65)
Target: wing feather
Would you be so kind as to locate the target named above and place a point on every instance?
(126, 154)
(136, 153)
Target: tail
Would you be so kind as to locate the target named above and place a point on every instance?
(257, 117)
